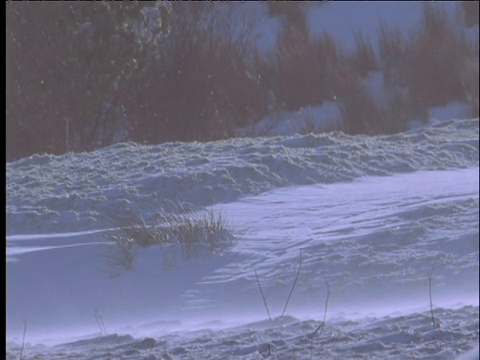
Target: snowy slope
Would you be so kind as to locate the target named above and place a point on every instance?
(373, 216)
(71, 192)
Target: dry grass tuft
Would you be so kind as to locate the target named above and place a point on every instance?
(195, 233)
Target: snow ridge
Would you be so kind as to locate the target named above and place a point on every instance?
(75, 192)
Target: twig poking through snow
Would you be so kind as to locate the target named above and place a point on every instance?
(322, 325)
(100, 323)
(263, 295)
(293, 286)
(430, 294)
(268, 353)
(23, 339)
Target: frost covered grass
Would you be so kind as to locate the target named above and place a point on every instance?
(197, 233)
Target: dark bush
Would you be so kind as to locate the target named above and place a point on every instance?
(203, 84)
(304, 68)
(471, 10)
(359, 112)
(364, 59)
(65, 62)
(293, 11)
(433, 66)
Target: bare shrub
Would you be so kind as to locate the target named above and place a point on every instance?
(400, 110)
(392, 45)
(64, 62)
(196, 233)
(364, 59)
(357, 106)
(434, 60)
(311, 71)
(292, 10)
(432, 67)
(304, 67)
(401, 107)
(203, 84)
(471, 11)
(470, 82)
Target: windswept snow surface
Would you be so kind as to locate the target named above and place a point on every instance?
(374, 217)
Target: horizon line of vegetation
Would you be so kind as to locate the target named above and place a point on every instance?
(85, 76)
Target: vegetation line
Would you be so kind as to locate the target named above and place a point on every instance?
(230, 84)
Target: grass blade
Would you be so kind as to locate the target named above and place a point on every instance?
(322, 325)
(294, 284)
(263, 295)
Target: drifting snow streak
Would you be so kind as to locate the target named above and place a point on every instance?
(377, 238)
(74, 191)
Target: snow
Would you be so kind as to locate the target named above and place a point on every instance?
(454, 110)
(369, 220)
(311, 119)
(373, 216)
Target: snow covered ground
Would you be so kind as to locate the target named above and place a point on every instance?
(375, 217)
(372, 219)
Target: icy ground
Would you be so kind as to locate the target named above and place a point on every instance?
(374, 217)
